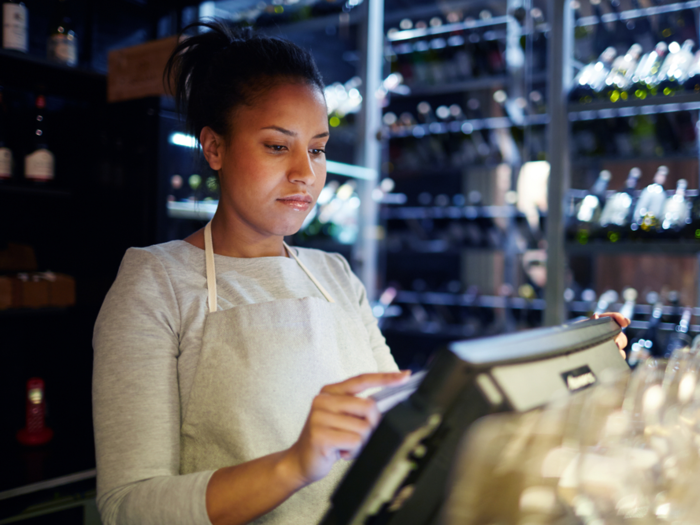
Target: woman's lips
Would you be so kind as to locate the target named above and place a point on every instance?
(297, 202)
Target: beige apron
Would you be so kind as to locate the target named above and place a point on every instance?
(259, 369)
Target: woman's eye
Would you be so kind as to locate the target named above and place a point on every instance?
(318, 151)
(276, 147)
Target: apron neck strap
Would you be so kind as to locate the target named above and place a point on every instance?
(211, 270)
(307, 272)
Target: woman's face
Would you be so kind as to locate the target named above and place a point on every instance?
(273, 167)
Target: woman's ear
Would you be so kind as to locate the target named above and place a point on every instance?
(212, 147)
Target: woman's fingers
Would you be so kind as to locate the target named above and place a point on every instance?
(618, 318)
(357, 384)
(357, 407)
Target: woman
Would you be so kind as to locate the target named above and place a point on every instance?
(212, 354)
(226, 365)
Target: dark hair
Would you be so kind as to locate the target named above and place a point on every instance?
(214, 72)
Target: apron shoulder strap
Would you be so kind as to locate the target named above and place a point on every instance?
(211, 270)
(307, 272)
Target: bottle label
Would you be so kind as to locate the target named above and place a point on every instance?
(5, 163)
(14, 27)
(64, 49)
(39, 165)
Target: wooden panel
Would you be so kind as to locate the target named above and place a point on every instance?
(137, 72)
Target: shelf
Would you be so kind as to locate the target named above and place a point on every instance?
(638, 13)
(30, 72)
(466, 85)
(485, 301)
(634, 158)
(33, 191)
(581, 194)
(199, 210)
(449, 212)
(628, 108)
(410, 34)
(676, 247)
(440, 247)
(27, 312)
(463, 126)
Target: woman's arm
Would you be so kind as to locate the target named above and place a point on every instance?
(338, 425)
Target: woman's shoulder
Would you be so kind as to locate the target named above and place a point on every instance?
(167, 256)
(320, 260)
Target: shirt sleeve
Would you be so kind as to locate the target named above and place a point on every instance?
(136, 403)
(382, 353)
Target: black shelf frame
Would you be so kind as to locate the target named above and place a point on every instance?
(464, 126)
(474, 84)
(597, 110)
(40, 74)
(638, 13)
(677, 247)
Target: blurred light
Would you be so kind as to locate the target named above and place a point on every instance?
(674, 47)
(405, 24)
(350, 170)
(334, 121)
(180, 139)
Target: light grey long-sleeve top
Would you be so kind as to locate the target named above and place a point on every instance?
(147, 342)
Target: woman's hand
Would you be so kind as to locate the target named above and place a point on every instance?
(338, 425)
(621, 339)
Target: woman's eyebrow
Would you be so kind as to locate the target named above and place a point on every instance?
(293, 133)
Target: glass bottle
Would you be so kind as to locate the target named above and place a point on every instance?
(679, 338)
(591, 79)
(619, 80)
(617, 213)
(15, 25)
(589, 209)
(647, 344)
(676, 214)
(644, 77)
(651, 203)
(675, 69)
(62, 43)
(6, 163)
(39, 162)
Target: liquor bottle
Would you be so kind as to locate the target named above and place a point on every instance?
(676, 214)
(675, 69)
(14, 25)
(651, 203)
(589, 209)
(693, 81)
(644, 77)
(35, 431)
(591, 79)
(62, 43)
(647, 344)
(5, 151)
(618, 208)
(679, 338)
(605, 300)
(619, 80)
(39, 162)
(630, 297)
(692, 231)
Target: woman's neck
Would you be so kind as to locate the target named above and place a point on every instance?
(229, 241)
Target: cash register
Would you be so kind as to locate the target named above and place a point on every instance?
(401, 475)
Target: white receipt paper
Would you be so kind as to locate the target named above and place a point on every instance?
(389, 397)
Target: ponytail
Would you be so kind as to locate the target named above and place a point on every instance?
(212, 73)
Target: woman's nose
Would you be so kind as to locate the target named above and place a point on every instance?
(302, 169)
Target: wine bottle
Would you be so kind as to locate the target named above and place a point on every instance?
(675, 69)
(5, 151)
(679, 338)
(589, 209)
(591, 79)
(651, 203)
(693, 81)
(62, 43)
(618, 208)
(14, 25)
(644, 77)
(619, 80)
(647, 345)
(630, 297)
(39, 162)
(605, 300)
(676, 214)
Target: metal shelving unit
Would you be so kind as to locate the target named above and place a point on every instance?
(563, 113)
